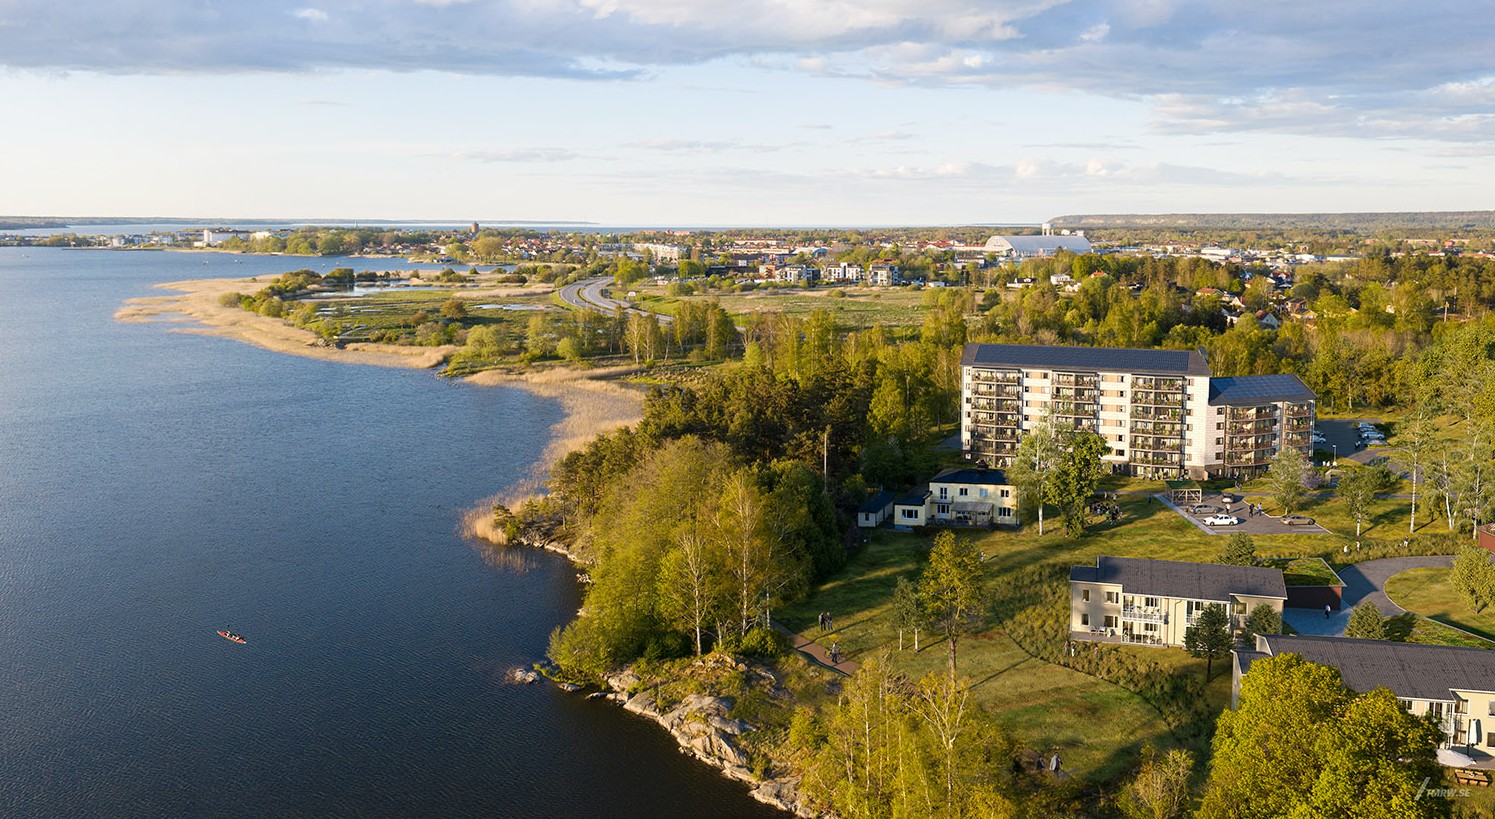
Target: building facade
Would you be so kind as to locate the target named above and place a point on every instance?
(1154, 602)
(959, 497)
(1160, 411)
(1455, 685)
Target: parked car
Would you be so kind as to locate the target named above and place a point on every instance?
(1296, 520)
(1221, 520)
(1202, 509)
(1230, 499)
(1376, 442)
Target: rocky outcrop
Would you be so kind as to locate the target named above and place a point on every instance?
(705, 729)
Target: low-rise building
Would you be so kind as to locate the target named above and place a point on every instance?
(884, 274)
(959, 497)
(1154, 602)
(1455, 685)
(875, 510)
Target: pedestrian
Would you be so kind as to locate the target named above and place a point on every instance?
(1327, 609)
(835, 653)
(830, 623)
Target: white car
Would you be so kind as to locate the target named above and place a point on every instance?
(1221, 520)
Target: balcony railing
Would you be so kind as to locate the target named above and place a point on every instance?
(1157, 414)
(996, 377)
(1249, 427)
(1155, 444)
(1156, 459)
(1144, 382)
(1143, 614)
(1173, 428)
(1250, 413)
(1240, 459)
(1076, 379)
(1298, 410)
(1250, 444)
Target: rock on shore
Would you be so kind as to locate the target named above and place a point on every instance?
(703, 726)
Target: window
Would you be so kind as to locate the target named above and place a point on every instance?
(1110, 621)
(983, 492)
(910, 513)
(1004, 512)
(1085, 595)
(1084, 619)
(1219, 442)
(944, 492)
(1492, 708)
(943, 509)
(963, 491)
(1112, 597)
(1149, 626)
(1150, 602)
(1006, 493)
(1220, 425)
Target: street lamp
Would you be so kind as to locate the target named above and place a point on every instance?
(1335, 447)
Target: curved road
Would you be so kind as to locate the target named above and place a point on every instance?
(587, 295)
(1362, 581)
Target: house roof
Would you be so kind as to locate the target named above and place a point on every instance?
(1172, 578)
(1111, 359)
(1413, 670)
(1258, 389)
(915, 496)
(878, 502)
(983, 477)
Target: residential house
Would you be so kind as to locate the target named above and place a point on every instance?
(959, 497)
(1154, 602)
(1455, 685)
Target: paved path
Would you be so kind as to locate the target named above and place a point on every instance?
(817, 652)
(1362, 581)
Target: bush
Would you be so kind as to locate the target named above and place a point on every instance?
(758, 642)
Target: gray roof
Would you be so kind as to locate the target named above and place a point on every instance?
(1027, 245)
(878, 502)
(1258, 389)
(915, 496)
(1109, 359)
(1172, 578)
(972, 476)
(1411, 670)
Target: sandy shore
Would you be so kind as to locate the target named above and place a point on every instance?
(195, 306)
(591, 403)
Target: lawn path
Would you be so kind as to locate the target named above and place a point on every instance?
(817, 652)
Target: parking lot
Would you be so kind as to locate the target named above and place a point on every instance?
(1250, 524)
(1341, 437)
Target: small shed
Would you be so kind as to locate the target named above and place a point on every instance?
(1184, 493)
(875, 509)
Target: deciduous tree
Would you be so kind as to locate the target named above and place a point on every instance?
(950, 588)
(1287, 479)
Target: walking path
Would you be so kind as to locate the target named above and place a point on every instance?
(817, 652)
(1362, 581)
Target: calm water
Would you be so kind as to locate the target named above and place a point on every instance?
(155, 486)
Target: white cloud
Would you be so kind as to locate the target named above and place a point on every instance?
(516, 155)
(314, 15)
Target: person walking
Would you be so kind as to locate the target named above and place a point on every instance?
(1327, 609)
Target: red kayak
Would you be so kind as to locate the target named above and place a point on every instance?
(229, 635)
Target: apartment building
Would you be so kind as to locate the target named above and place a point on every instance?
(1154, 602)
(1455, 685)
(1160, 411)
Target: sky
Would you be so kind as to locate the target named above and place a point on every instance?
(740, 112)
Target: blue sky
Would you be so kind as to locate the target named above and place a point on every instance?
(731, 112)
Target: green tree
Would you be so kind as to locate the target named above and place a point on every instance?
(1287, 479)
(1418, 438)
(1264, 761)
(1239, 550)
(1366, 622)
(692, 585)
(1161, 787)
(1209, 638)
(1375, 760)
(569, 348)
(454, 308)
(907, 616)
(1033, 467)
(1076, 477)
(1473, 577)
(1357, 487)
(950, 588)
(1263, 619)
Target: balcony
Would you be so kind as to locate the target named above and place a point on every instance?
(1005, 390)
(1076, 379)
(1075, 393)
(1250, 413)
(1156, 459)
(1157, 399)
(995, 377)
(1248, 459)
(1143, 382)
(1249, 427)
(1143, 615)
(1298, 410)
(1008, 404)
(1157, 414)
(1250, 444)
(1155, 444)
(1175, 430)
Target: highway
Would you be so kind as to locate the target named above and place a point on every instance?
(587, 295)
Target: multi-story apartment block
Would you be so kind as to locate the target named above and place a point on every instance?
(1455, 685)
(1154, 602)
(1159, 410)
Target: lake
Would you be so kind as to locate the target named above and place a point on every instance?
(156, 486)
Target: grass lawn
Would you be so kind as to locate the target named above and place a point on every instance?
(860, 307)
(1308, 571)
(1429, 593)
(1097, 727)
